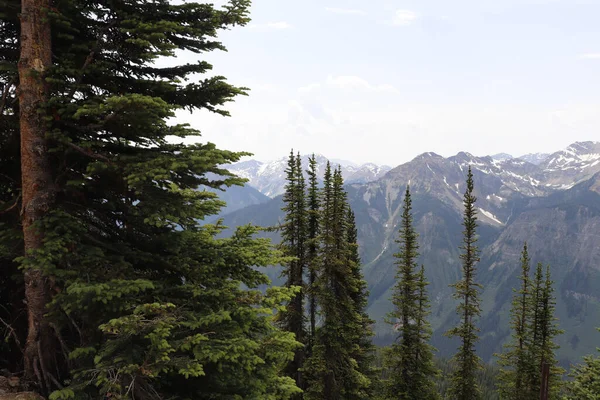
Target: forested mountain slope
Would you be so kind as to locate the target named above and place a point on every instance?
(557, 211)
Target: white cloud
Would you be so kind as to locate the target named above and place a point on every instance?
(590, 56)
(351, 11)
(310, 88)
(271, 26)
(404, 17)
(348, 82)
(262, 87)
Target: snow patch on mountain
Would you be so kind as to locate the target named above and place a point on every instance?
(490, 216)
(269, 177)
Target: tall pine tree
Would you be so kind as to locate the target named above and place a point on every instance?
(332, 371)
(364, 350)
(409, 358)
(466, 362)
(543, 331)
(312, 243)
(426, 369)
(293, 241)
(514, 363)
(132, 296)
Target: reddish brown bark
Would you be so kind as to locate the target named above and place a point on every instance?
(37, 187)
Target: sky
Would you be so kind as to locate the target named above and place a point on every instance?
(385, 80)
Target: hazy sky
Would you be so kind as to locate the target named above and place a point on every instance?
(385, 80)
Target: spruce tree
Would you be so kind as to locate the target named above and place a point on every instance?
(585, 383)
(466, 362)
(312, 242)
(514, 363)
(409, 358)
(364, 350)
(332, 372)
(132, 296)
(533, 368)
(293, 241)
(543, 350)
(426, 370)
(542, 331)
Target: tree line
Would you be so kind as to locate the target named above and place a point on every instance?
(407, 369)
(111, 289)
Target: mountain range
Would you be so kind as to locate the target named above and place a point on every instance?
(269, 177)
(551, 201)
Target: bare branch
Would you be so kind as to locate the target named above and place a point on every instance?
(13, 333)
(13, 206)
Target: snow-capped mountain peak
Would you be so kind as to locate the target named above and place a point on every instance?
(502, 157)
(579, 155)
(269, 177)
(534, 158)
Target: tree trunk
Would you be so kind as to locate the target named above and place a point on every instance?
(37, 187)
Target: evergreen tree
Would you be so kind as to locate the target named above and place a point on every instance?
(544, 347)
(514, 362)
(533, 371)
(332, 372)
(132, 296)
(410, 357)
(426, 370)
(364, 350)
(586, 380)
(585, 384)
(293, 240)
(37, 191)
(543, 330)
(312, 242)
(464, 383)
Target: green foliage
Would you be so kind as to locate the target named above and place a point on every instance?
(363, 348)
(515, 362)
(534, 328)
(585, 383)
(332, 370)
(543, 330)
(486, 379)
(464, 383)
(293, 243)
(312, 243)
(409, 359)
(147, 303)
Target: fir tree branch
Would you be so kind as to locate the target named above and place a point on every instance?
(88, 153)
(90, 57)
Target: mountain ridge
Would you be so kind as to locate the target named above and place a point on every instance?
(556, 210)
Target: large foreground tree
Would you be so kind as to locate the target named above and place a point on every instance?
(38, 190)
(126, 294)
